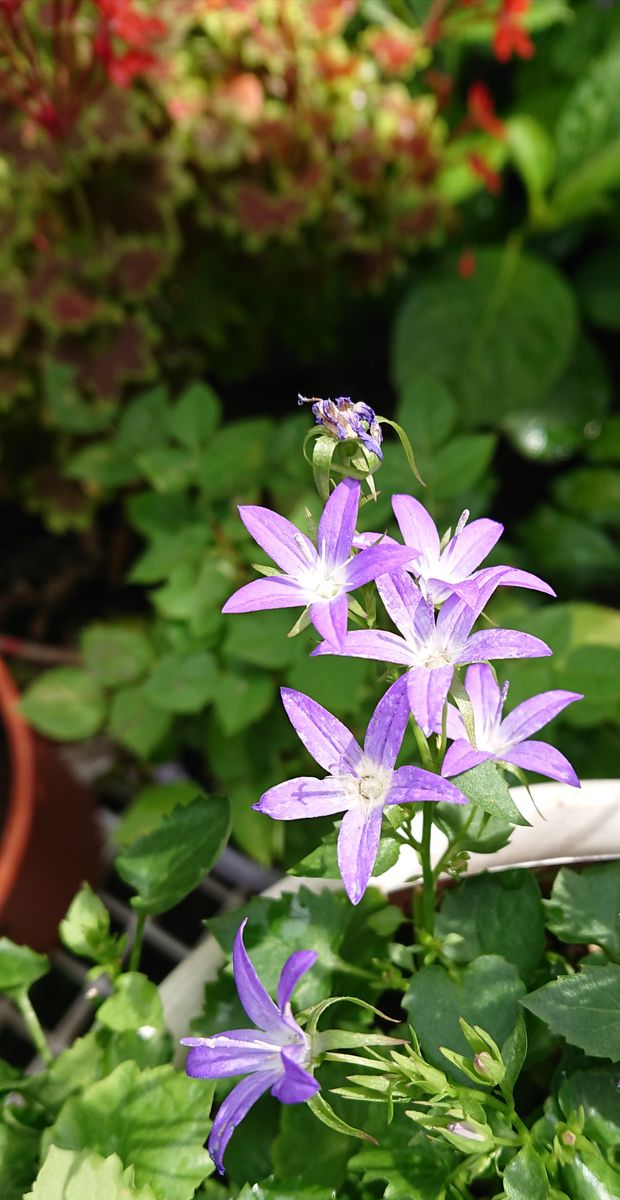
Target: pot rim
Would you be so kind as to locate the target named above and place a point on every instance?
(18, 822)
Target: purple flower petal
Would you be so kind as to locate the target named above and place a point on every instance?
(461, 756)
(532, 714)
(486, 697)
(502, 643)
(233, 1109)
(295, 966)
(387, 725)
(294, 1085)
(304, 797)
(255, 999)
(329, 742)
(406, 606)
(337, 523)
(378, 560)
(416, 525)
(371, 643)
(428, 690)
(358, 842)
(544, 759)
(512, 577)
(364, 541)
(467, 549)
(279, 538)
(278, 591)
(455, 727)
(457, 616)
(228, 1054)
(330, 618)
(411, 785)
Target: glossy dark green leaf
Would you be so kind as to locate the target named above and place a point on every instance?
(583, 1008)
(525, 1177)
(19, 1154)
(495, 914)
(485, 993)
(595, 1090)
(166, 864)
(584, 906)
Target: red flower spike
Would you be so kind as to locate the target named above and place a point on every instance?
(492, 181)
(510, 37)
(481, 110)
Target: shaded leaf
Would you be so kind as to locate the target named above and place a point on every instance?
(583, 1008)
(64, 703)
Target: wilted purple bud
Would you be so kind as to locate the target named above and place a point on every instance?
(347, 421)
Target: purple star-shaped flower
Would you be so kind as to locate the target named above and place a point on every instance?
(431, 646)
(275, 1055)
(318, 578)
(441, 573)
(360, 782)
(507, 740)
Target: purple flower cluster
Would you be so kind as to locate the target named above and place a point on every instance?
(433, 592)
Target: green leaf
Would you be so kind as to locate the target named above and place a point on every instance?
(168, 863)
(324, 1112)
(486, 787)
(498, 340)
(525, 1177)
(64, 703)
(592, 492)
(155, 1120)
(86, 929)
(240, 699)
(495, 914)
(533, 153)
(594, 1090)
(598, 287)
(261, 639)
(514, 1051)
(475, 830)
(486, 993)
(167, 468)
(281, 1190)
(588, 1176)
(19, 1153)
(135, 1004)
(183, 683)
(238, 457)
(415, 1166)
(136, 722)
(195, 416)
(143, 421)
(20, 967)
(459, 465)
(584, 906)
(583, 1008)
(337, 684)
(322, 863)
(115, 654)
(68, 409)
(81, 1174)
(605, 446)
(429, 414)
(150, 805)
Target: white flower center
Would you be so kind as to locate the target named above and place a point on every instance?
(370, 784)
(322, 580)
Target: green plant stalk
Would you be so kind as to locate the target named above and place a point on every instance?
(34, 1027)
(136, 949)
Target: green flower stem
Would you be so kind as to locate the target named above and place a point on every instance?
(34, 1026)
(136, 949)
(428, 875)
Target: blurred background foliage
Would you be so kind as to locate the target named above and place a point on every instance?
(208, 211)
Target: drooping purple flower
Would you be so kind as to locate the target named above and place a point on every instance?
(315, 578)
(441, 573)
(273, 1056)
(506, 740)
(432, 645)
(360, 782)
(346, 421)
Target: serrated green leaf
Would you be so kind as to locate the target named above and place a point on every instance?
(183, 683)
(136, 722)
(584, 907)
(86, 928)
(115, 654)
(150, 805)
(65, 703)
(155, 1120)
(82, 1174)
(485, 993)
(495, 914)
(241, 698)
(486, 787)
(135, 1004)
(195, 416)
(168, 863)
(20, 967)
(19, 1154)
(583, 1008)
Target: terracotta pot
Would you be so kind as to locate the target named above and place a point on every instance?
(49, 841)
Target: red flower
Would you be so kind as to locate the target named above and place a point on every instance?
(479, 165)
(482, 110)
(466, 265)
(510, 37)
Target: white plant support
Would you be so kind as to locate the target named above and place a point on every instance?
(567, 825)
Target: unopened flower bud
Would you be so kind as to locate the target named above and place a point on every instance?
(466, 1130)
(488, 1068)
(569, 1138)
(347, 421)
